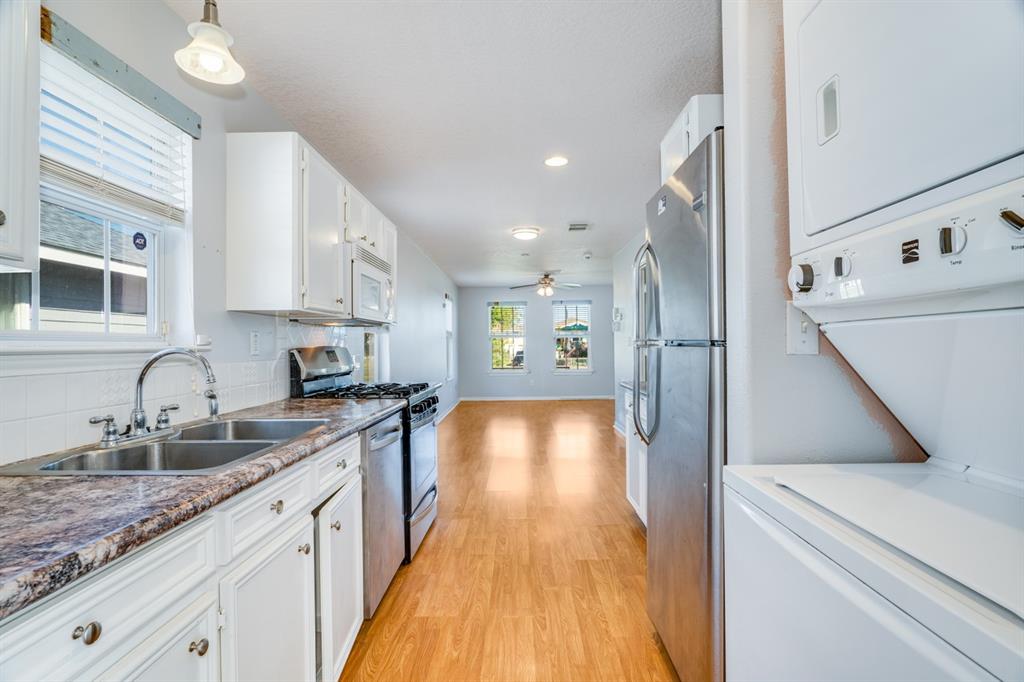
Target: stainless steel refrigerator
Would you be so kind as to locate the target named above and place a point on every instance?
(679, 359)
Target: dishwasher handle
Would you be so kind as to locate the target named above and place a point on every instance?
(378, 440)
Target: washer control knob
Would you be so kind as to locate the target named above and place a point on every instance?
(841, 266)
(801, 278)
(952, 240)
(1014, 221)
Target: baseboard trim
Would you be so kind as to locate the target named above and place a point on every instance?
(450, 410)
(621, 431)
(531, 397)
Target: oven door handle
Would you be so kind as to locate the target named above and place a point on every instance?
(426, 508)
(424, 422)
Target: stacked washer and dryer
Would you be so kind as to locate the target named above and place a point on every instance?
(906, 154)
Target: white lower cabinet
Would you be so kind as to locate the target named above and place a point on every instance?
(269, 611)
(339, 577)
(187, 649)
(636, 461)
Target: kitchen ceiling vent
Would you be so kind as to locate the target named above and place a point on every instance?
(579, 227)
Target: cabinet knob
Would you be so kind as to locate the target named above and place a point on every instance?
(304, 548)
(336, 525)
(3, 218)
(200, 647)
(88, 634)
(342, 464)
(373, 244)
(363, 237)
(339, 301)
(277, 506)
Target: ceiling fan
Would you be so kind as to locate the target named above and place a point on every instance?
(546, 286)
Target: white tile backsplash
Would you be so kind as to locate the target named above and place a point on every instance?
(43, 413)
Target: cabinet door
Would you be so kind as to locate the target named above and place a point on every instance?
(185, 649)
(340, 575)
(374, 230)
(19, 132)
(323, 194)
(389, 252)
(357, 217)
(269, 611)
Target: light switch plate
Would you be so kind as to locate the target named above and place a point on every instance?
(254, 343)
(801, 332)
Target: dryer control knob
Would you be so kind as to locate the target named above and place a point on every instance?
(801, 278)
(952, 240)
(841, 266)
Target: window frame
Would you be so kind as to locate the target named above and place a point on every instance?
(449, 337)
(511, 371)
(589, 369)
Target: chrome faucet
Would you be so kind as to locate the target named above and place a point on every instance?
(138, 418)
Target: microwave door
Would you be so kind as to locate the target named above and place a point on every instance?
(370, 292)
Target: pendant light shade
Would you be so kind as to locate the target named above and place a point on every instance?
(207, 57)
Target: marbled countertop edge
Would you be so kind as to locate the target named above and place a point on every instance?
(56, 529)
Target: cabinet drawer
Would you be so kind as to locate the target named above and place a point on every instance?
(186, 649)
(113, 610)
(335, 463)
(265, 509)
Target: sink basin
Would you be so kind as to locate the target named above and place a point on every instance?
(250, 429)
(159, 457)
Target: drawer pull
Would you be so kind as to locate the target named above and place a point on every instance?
(304, 548)
(88, 634)
(200, 647)
(277, 506)
(342, 464)
(336, 525)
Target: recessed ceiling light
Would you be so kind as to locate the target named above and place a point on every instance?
(556, 161)
(525, 233)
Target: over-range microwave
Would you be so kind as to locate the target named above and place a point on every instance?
(372, 293)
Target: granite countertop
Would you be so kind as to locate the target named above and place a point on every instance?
(56, 529)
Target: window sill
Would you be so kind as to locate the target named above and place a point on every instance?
(508, 372)
(33, 344)
(572, 372)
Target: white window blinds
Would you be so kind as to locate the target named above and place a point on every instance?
(572, 318)
(98, 140)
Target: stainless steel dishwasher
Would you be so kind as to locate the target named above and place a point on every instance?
(383, 510)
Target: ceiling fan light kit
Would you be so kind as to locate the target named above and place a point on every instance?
(545, 285)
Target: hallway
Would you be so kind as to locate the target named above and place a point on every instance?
(534, 569)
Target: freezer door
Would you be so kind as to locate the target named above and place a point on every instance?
(684, 462)
(684, 226)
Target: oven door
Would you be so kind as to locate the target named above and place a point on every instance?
(371, 292)
(422, 460)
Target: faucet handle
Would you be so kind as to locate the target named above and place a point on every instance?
(163, 420)
(110, 435)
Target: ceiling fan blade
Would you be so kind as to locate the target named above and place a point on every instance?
(568, 285)
(525, 286)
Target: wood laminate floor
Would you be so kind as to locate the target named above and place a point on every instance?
(534, 569)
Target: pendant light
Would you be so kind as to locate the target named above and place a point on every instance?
(207, 57)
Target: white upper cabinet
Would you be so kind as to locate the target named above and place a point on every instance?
(19, 133)
(323, 197)
(298, 235)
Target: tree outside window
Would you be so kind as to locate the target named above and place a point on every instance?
(572, 335)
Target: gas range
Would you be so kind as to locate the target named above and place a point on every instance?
(412, 392)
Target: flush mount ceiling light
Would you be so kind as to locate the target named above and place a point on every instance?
(556, 161)
(526, 233)
(207, 57)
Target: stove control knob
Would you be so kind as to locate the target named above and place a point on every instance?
(801, 278)
(1014, 221)
(952, 240)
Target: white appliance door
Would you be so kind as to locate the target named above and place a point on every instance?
(791, 613)
(371, 292)
(896, 98)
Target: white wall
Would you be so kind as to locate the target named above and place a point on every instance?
(45, 402)
(477, 381)
(780, 408)
(418, 350)
(622, 298)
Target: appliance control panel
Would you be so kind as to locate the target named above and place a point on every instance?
(964, 255)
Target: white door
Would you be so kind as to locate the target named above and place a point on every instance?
(323, 197)
(357, 217)
(19, 132)
(186, 649)
(269, 611)
(340, 576)
(636, 462)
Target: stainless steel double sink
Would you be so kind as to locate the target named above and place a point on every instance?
(199, 450)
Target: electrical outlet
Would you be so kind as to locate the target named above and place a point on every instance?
(254, 343)
(801, 332)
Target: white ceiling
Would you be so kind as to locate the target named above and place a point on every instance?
(442, 113)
